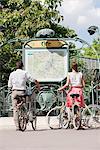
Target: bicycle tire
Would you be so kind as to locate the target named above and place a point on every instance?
(76, 117)
(22, 119)
(65, 118)
(33, 122)
(92, 111)
(53, 118)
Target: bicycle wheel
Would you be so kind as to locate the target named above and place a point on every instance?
(76, 117)
(92, 112)
(53, 118)
(33, 122)
(65, 118)
(22, 118)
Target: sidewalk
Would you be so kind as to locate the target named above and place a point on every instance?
(7, 123)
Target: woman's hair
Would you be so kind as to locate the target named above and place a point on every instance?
(75, 66)
(19, 64)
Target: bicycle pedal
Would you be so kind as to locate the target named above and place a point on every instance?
(34, 117)
(71, 126)
(65, 116)
(26, 120)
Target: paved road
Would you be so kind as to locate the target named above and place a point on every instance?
(50, 140)
(46, 139)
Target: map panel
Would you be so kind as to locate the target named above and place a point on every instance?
(47, 64)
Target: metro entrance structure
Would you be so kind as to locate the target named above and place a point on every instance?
(47, 60)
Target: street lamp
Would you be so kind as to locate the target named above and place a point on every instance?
(92, 30)
(45, 33)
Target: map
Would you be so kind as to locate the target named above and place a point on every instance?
(47, 64)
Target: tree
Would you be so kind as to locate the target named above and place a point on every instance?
(89, 53)
(22, 19)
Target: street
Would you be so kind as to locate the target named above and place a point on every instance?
(46, 139)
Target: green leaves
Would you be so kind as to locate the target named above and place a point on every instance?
(90, 53)
(22, 19)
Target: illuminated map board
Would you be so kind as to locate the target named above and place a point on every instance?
(44, 61)
(47, 65)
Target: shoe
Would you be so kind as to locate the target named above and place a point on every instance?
(82, 127)
(65, 115)
(18, 129)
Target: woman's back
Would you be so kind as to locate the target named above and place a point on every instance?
(75, 78)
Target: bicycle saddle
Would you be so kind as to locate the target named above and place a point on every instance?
(74, 95)
(20, 96)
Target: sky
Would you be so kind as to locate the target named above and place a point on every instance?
(81, 14)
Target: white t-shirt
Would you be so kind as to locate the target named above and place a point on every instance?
(75, 78)
(18, 79)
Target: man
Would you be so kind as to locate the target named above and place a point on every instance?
(17, 82)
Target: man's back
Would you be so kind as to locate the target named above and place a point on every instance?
(17, 80)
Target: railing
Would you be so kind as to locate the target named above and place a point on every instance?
(95, 94)
(46, 97)
(92, 94)
(4, 100)
(90, 62)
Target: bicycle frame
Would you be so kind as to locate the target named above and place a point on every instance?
(25, 112)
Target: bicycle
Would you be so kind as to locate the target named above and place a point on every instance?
(73, 117)
(26, 112)
(59, 117)
(53, 116)
(92, 111)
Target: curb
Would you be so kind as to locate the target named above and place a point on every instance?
(7, 123)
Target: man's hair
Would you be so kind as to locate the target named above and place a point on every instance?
(75, 66)
(19, 64)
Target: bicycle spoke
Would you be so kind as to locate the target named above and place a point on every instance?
(33, 123)
(76, 117)
(22, 119)
(65, 119)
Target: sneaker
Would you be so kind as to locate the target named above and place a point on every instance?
(65, 115)
(17, 129)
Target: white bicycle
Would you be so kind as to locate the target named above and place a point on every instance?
(60, 117)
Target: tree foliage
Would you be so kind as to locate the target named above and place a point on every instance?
(90, 53)
(22, 19)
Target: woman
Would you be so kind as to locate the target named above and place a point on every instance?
(76, 83)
